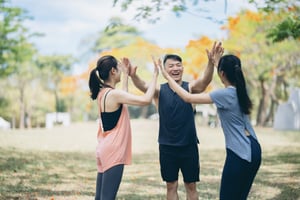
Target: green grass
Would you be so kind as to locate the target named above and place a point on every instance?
(35, 175)
(30, 174)
(71, 175)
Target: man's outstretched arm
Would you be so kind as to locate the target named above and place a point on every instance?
(140, 83)
(213, 55)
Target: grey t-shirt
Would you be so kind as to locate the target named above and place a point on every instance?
(234, 123)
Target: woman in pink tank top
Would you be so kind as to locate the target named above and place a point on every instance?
(113, 150)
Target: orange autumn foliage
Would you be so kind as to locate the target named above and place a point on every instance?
(68, 84)
(195, 58)
(234, 23)
(253, 16)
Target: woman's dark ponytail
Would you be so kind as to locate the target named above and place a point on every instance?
(244, 100)
(231, 66)
(95, 84)
(101, 74)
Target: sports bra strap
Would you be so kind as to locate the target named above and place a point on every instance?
(105, 99)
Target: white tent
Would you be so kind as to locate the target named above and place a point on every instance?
(4, 124)
(287, 116)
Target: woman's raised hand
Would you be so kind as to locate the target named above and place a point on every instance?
(156, 66)
(162, 69)
(125, 65)
(215, 53)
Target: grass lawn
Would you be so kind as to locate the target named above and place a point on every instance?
(59, 164)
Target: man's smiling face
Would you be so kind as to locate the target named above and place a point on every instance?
(174, 68)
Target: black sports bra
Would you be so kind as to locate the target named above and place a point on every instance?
(110, 119)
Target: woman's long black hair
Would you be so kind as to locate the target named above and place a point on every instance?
(231, 66)
(101, 74)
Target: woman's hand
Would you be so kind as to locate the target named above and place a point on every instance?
(125, 65)
(162, 69)
(156, 67)
(130, 69)
(215, 53)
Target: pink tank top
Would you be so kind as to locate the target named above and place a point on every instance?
(114, 146)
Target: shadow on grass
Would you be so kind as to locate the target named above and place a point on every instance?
(282, 171)
(43, 175)
(28, 175)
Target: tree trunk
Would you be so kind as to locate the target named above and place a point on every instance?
(271, 94)
(28, 120)
(270, 118)
(261, 107)
(22, 109)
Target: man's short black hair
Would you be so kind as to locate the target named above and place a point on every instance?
(172, 57)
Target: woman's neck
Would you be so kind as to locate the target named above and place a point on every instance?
(110, 84)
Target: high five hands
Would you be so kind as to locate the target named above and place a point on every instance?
(215, 53)
(130, 70)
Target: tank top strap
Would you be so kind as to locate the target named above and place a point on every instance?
(106, 91)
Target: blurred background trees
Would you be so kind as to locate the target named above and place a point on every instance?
(267, 41)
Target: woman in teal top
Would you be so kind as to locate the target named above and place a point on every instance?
(243, 152)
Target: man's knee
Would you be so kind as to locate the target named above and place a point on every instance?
(172, 186)
(191, 191)
(190, 186)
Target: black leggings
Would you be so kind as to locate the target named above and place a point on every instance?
(238, 174)
(108, 183)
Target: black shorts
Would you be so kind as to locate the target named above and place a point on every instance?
(185, 158)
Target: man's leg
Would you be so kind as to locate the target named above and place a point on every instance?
(191, 191)
(169, 169)
(190, 168)
(172, 190)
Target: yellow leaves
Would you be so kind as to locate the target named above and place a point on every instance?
(68, 84)
(197, 44)
(237, 26)
(139, 49)
(195, 58)
(253, 16)
(233, 22)
(88, 106)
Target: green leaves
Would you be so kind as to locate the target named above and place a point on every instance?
(288, 28)
(14, 37)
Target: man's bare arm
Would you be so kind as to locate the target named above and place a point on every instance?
(139, 83)
(199, 85)
(214, 56)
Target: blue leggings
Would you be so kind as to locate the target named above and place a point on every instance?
(108, 183)
(238, 174)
